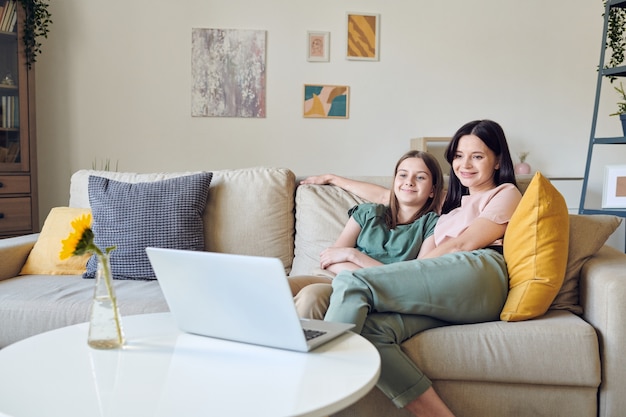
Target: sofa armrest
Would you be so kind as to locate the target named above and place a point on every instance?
(13, 254)
(603, 295)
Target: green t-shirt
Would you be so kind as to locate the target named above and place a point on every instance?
(390, 245)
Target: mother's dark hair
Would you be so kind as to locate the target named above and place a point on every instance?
(492, 135)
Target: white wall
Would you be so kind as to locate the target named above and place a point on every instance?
(114, 82)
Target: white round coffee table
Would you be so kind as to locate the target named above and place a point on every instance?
(163, 372)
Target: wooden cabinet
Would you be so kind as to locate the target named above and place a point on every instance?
(19, 212)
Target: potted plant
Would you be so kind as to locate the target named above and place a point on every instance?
(522, 167)
(615, 37)
(36, 24)
(621, 107)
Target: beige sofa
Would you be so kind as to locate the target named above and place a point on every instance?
(569, 362)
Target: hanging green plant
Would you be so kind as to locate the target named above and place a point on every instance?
(36, 24)
(615, 37)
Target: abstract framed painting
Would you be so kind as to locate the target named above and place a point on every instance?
(318, 49)
(363, 37)
(614, 190)
(326, 101)
(228, 73)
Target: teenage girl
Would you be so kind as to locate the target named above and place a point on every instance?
(378, 233)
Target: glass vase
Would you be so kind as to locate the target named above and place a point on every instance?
(105, 325)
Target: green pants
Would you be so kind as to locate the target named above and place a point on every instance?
(390, 303)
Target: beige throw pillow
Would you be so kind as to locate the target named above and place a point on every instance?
(587, 234)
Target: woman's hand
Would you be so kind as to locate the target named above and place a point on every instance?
(324, 179)
(370, 192)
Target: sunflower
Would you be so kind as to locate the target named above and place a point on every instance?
(80, 239)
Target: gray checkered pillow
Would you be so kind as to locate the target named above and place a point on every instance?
(133, 216)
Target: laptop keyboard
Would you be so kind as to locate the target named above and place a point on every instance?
(312, 334)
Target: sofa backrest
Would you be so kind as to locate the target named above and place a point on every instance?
(253, 212)
(249, 211)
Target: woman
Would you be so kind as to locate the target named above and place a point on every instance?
(459, 277)
(378, 234)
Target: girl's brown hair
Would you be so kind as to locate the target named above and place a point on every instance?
(432, 204)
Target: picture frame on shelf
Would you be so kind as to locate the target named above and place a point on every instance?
(436, 146)
(324, 101)
(614, 190)
(318, 46)
(363, 36)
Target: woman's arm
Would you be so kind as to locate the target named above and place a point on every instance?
(488, 225)
(371, 192)
(480, 233)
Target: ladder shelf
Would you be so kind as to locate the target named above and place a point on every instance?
(611, 73)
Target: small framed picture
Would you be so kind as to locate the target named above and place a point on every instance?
(318, 49)
(614, 191)
(326, 101)
(363, 36)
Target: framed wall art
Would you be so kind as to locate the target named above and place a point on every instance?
(318, 46)
(228, 73)
(363, 36)
(614, 190)
(326, 101)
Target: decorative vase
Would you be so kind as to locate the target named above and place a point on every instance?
(521, 168)
(105, 325)
(622, 118)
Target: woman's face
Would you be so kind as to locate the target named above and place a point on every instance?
(413, 183)
(475, 164)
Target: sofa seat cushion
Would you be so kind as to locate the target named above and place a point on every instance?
(32, 304)
(558, 348)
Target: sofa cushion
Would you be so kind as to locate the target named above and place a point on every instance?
(35, 304)
(165, 214)
(44, 257)
(587, 234)
(545, 351)
(248, 212)
(535, 250)
(251, 212)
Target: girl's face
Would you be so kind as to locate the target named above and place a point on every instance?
(413, 183)
(475, 164)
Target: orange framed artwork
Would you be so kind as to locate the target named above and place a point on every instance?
(363, 36)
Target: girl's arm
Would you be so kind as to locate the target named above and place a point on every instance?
(371, 192)
(343, 254)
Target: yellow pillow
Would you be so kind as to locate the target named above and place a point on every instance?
(44, 257)
(535, 249)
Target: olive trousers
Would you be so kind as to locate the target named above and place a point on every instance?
(391, 303)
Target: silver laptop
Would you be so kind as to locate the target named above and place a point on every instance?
(236, 297)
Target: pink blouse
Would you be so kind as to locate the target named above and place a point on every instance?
(497, 205)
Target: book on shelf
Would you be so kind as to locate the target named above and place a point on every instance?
(13, 24)
(9, 112)
(9, 16)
